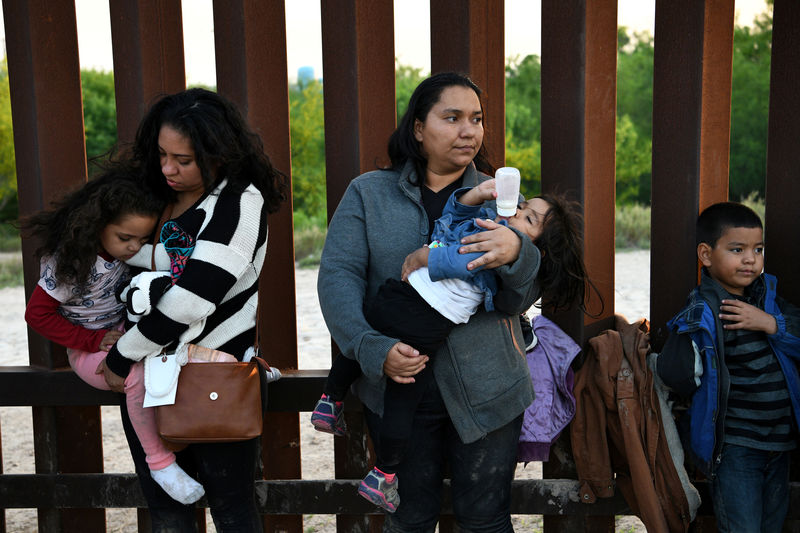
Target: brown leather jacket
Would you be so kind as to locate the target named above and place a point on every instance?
(618, 431)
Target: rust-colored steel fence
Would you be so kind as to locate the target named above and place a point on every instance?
(691, 131)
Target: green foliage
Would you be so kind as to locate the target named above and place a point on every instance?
(635, 80)
(8, 165)
(524, 121)
(9, 238)
(632, 226)
(634, 156)
(307, 126)
(406, 79)
(11, 274)
(750, 106)
(99, 112)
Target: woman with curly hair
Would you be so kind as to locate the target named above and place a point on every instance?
(86, 238)
(196, 151)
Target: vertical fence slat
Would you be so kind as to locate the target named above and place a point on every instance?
(250, 41)
(783, 155)
(677, 104)
(578, 158)
(147, 42)
(44, 82)
(147, 47)
(715, 131)
(358, 66)
(468, 37)
(783, 163)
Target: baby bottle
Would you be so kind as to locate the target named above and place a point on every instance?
(506, 182)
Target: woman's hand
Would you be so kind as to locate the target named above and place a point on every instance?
(115, 382)
(499, 244)
(402, 362)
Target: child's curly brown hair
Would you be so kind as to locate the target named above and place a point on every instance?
(69, 231)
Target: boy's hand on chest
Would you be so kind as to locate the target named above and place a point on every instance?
(741, 315)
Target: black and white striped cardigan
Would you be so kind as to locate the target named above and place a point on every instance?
(219, 283)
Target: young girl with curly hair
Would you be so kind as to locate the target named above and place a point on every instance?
(86, 238)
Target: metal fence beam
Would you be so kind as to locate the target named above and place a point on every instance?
(783, 151)
(250, 42)
(147, 43)
(468, 37)
(44, 83)
(359, 106)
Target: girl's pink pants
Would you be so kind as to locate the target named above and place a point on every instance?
(143, 419)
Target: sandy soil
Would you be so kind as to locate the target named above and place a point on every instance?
(631, 300)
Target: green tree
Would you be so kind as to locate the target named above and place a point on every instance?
(406, 79)
(99, 112)
(524, 121)
(8, 165)
(635, 80)
(308, 152)
(634, 155)
(752, 50)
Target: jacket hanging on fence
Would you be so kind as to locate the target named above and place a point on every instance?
(618, 431)
(554, 405)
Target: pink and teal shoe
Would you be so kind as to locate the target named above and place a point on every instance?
(381, 489)
(328, 416)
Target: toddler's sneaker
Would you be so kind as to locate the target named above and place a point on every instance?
(380, 489)
(328, 416)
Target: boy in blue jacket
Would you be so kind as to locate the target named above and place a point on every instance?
(731, 353)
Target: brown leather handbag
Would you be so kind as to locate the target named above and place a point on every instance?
(215, 402)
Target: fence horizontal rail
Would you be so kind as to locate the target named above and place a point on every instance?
(339, 496)
(297, 390)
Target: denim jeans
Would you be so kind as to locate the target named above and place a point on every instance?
(227, 472)
(751, 490)
(481, 472)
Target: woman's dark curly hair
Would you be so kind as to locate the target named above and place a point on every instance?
(224, 146)
(562, 273)
(70, 230)
(403, 146)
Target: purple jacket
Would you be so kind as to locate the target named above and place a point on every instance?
(554, 404)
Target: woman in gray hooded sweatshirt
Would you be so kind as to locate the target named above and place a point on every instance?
(470, 416)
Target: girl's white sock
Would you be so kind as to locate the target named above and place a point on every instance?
(178, 484)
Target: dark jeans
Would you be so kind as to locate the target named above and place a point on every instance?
(227, 472)
(481, 472)
(751, 490)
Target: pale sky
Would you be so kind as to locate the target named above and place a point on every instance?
(304, 41)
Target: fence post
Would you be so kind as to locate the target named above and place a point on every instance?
(578, 158)
(44, 82)
(468, 37)
(358, 65)
(250, 41)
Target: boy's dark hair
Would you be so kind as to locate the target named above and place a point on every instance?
(224, 146)
(562, 273)
(403, 146)
(70, 230)
(717, 218)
